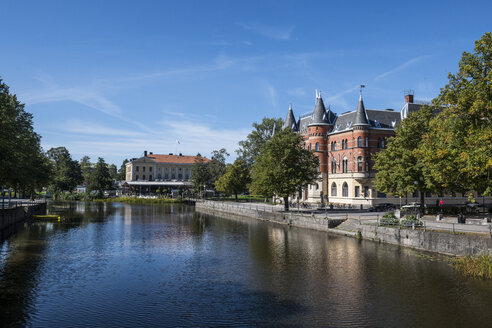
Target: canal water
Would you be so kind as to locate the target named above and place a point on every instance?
(120, 265)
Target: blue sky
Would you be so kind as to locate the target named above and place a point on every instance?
(114, 78)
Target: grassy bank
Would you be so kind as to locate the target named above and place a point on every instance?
(136, 200)
(477, 267)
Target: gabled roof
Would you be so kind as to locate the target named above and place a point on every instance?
(290, 121)
(174, 159)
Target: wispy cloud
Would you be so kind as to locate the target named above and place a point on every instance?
(270, 93)
(400, 67)
(269, 31)
(93, 128)
(297, 92)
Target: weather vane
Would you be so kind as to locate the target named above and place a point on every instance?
(362, 86)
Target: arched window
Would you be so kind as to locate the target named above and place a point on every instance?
(317, 187)
(309, 147)
(382, 143)
(317, 146)
(333, 165)
(345, 189)
(333, 189)
(359, 142)
(367, 142)
(345, 165)
(359, 163)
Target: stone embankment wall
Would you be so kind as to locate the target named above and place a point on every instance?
(460, 244)
(11, 217)
(291, 218)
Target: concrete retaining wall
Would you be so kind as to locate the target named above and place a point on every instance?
(10, 218)
(293, 219)
(433, 241)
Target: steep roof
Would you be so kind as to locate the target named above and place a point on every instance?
(319, 114)
(361, 115)
(378, 119)
(175, 159)
(290, 121)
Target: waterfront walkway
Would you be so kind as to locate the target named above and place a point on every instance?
(360, 217)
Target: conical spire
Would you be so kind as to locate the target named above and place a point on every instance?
(319, 114)
(290, 121)
(361, 115)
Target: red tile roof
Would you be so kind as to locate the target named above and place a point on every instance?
(175, 159)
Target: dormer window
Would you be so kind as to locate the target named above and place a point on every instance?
(377, 124)
(393, 123)
(349, 125)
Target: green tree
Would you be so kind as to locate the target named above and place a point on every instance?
(101, 178)
(235, 179)
(66, 171)
(458, 148)
(400, 167)
(217, 165)
(23, 165)
(86, 168)
(262, 132)
(200, 175)
(113, 171)
(122, 171)
(283, 166)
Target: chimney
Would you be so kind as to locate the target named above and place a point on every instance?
(180, 154)
(409, 99)
(150, 153)
(145, 153)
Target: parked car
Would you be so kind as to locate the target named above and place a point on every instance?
(382, 207)
(413, 205)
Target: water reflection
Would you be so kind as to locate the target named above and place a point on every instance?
(134, 265)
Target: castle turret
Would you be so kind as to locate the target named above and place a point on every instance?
(361, 115)
(290, 121)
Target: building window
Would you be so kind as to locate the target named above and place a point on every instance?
(359, 142)
(333, 165)
(366, 191)
(143, 177)
(317, 187)
(136, 177)
(345, 189)
(309, 147)
(150, 177)
(333, 189)
(317, 146)
(367, 166)
(150, 169)
(367, 142)
(379, 142)
(345, 165)
(143, 168)
(383, 143)
(166, 176)
(359, 164)
(137, 168)
(357, 191)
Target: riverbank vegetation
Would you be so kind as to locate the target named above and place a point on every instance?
(476, 267)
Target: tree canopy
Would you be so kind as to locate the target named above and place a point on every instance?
(66, 171)
(400, 167)
(200, 175)
(458, 148)
(122, 171)
(262, 132)
(23, 165)
(283, 166)
(235, 179)
(217, 166)
(101, 178)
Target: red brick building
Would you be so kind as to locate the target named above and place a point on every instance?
(345, 144)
